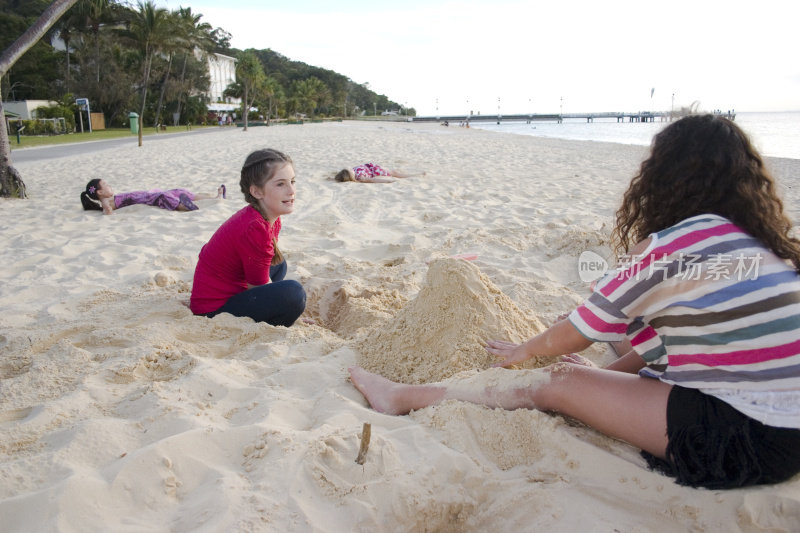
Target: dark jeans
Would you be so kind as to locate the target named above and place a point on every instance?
(279, 303)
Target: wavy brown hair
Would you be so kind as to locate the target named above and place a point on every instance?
(704, 164)
(260, 167)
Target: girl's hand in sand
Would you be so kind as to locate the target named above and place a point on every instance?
(561, 317)
(508, 353)
(577, 360)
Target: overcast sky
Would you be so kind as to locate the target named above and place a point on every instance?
(540, 56)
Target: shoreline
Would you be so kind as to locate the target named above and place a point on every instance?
(120, 410)
(776, 135)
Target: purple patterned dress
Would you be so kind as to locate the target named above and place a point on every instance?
(170, 199)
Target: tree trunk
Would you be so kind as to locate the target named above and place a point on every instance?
(66, 76)
(10, 181)
(249, 105)
(147, 60)
(183, 76)
(163, 90)
(97, 53)
(11, 184)
(244, 107)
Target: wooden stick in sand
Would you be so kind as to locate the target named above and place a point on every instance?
(366, 430)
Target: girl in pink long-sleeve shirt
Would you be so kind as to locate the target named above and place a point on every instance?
(241, 270)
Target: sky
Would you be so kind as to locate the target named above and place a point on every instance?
(533, 56)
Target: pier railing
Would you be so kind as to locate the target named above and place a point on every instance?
(638, 116)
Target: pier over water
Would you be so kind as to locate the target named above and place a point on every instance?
(639, 116)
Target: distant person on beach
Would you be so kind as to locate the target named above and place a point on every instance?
(99, 196)
(706, 301)
(371, 173)
(241, 270)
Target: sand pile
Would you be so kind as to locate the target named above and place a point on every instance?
(444, 329)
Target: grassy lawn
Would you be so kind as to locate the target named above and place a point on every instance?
(100, 135)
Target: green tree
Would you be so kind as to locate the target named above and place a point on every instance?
(11, 183)
(307, 94)
(66, 28)
(96, 13)
(196, 36)
(33, 74)
(249, 74)
(148, 30)
(116, 94)
(272, 94)
(170, 46)
(222, 41)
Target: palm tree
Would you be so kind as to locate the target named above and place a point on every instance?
(319, 91)
(11, 183)
(271, 91)
(148, 29)
(170, 46)
(249, 73)
(307, 94)
(196, 36)
(67, 26)
(95, 13)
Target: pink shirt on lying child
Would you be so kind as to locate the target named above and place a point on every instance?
(239, 253)
(369, 170)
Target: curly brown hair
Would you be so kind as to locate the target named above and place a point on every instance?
(704, 164)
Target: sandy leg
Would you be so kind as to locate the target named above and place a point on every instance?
(394, 398)
(618, 404)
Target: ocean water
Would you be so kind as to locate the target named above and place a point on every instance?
(774, 134)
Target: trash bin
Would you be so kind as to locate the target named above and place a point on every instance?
(134, 119)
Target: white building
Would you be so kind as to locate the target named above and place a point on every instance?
(26, 109)
(222, 72)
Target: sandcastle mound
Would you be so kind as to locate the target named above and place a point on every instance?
(444, 329)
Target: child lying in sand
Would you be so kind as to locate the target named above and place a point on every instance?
(99, 196)
(709, 307)
(371, 173)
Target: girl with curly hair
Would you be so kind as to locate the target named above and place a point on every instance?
(707, 301)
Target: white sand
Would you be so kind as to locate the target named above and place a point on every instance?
(120, 411)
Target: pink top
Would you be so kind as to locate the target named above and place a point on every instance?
(239, 253)
(369, 170)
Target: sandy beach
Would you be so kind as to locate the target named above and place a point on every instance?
(121, 411)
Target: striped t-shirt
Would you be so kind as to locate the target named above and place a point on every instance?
(707, 306)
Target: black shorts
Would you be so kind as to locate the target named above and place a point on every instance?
(713, 445)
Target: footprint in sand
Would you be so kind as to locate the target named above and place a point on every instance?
(164, 363)
(14, 415)
(14, 365)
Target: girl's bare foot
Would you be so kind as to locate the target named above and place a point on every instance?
(392, 398)
(376, 389)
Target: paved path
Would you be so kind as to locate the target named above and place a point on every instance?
(25, 155)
